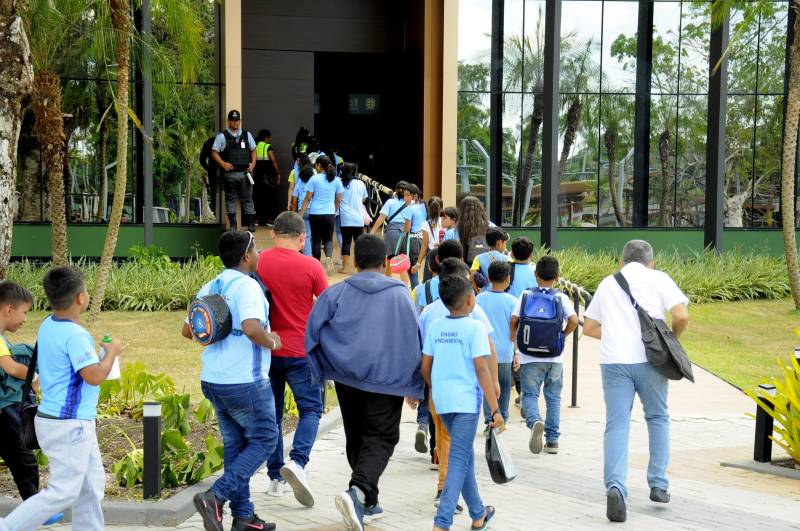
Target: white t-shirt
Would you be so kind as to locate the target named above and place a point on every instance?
(653, 290)
(569, 311)
(433, 236)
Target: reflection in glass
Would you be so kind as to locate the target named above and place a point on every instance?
(661, 204)
(772, 49)
(764, 207)
(472, 154)
(695, 37)
(616, 174)
(580, 46)
(619, 21)
(578, 142)
(690, 170)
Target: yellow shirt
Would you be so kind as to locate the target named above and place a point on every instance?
(4, 350)
(291, 176)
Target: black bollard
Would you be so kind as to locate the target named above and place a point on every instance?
(151, 484)
(763, 444)
(576, 300)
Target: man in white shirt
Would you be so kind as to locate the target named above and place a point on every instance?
(612, 319)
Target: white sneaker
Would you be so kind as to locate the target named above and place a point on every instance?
(296, 477)
(536, 443)
(275, 488)
(329, 265)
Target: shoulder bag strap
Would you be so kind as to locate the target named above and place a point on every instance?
(396, 213)
(623, 283)
(26, 388)
(428, 295)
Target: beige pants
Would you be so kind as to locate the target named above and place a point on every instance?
(442, 445)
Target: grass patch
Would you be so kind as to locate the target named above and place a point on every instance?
(740, 342)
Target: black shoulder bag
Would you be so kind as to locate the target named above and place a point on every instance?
(663, 349)
(28, 408)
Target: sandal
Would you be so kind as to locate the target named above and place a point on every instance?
(488, 516)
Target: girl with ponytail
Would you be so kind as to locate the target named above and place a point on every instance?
(323, 196)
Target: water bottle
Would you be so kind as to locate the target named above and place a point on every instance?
(114, 373)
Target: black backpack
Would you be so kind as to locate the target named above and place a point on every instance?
(208, 164)
(475, 246)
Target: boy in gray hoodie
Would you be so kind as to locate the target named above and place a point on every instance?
(363, 334)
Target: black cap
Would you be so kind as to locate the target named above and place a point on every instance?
(234, 116)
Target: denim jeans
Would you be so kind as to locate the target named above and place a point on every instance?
(460, 478)
(246, 416)
(297, 373)
(423, 409)
(504, 378)
(620, 383)
(77, 479)
(307, 247)
(532, 376)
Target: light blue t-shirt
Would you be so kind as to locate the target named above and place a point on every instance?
(450, 234)
(484, 260)
(299, 192)
(417, 213)
(323, 203)
(524, 278)
(236, 359)
(390, 207)
(353, 197)
(437, 310)
(499, 307)
(220, 144)
(454, 343)
(420, 299)
(65, 348)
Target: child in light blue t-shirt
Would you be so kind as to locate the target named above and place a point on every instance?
(235, 379)
(70, 372)
(523, 276)
(455, 363)
(499, 306)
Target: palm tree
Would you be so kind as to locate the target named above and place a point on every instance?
(182, 24)
(17, 75)
(610, 141)
(577, 69)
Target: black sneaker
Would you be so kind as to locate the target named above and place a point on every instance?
(210, 508)
(615, 506)
(551, 448)
(659, 495)
(459, 508)
(254, 523)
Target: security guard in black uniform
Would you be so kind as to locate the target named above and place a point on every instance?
(234, 150)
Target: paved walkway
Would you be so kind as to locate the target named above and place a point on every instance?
(709, 425)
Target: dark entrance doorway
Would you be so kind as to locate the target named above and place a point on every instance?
(368, 105)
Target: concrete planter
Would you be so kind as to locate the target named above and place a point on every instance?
(175, 510)
(765, 468)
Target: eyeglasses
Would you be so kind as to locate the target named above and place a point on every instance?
(249, 243)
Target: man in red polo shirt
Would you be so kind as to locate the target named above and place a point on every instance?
(293, 281)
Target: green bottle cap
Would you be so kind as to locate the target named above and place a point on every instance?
(107, 339)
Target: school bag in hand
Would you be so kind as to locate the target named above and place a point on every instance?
(664, 351)
(28, 407)
(541, 323)
(210, 317)
(498, 459)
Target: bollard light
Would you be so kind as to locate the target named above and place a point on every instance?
(576, 295)
(151, 484)
(762, 451)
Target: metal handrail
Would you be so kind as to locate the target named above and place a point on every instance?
(579, 296)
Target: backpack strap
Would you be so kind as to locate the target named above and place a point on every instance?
(428, 295)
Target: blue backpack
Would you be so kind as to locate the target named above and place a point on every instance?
(541, 324)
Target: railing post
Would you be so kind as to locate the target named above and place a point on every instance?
(762, 451)
(576, 294)
(151, 482)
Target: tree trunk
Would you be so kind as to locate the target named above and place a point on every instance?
(573, 123)
(526, 168)
(187, 191)
(121, 21)
(102, 155)
(50, 131)
(610, 140)
(28, 171)
(664, 141)
(734, 209)
(789, 157)
(17, 75)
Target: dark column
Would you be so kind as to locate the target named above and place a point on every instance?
(641, 138)
(715, 139)
(494, 181)
(144, 110)
(550, 180)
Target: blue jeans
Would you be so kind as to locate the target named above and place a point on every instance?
(423, 409)
(620, 383)
(504, 378)
(246, 416)
(307, 247)
(531, 377)
(460, 478)
(339, 230)
(297, 373)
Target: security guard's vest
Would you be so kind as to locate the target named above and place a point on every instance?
(237, 150)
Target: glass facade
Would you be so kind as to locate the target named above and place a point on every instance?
(599, 55)
(183, 118)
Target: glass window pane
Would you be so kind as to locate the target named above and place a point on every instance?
(772, 51)
(666, 46)
(616, 174)
(619, 25)
(577, 195)
(475, 35)
(581, 31)
(526, 166)
(739, 160)
(742, 69)
(690, 175)
(765, 203)
(473, 144)
(663, 116)
(695, 37)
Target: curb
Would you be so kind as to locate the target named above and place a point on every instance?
(177, 509)
(763, 468)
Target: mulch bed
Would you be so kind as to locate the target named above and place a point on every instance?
(786, 463)
(114, 446)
